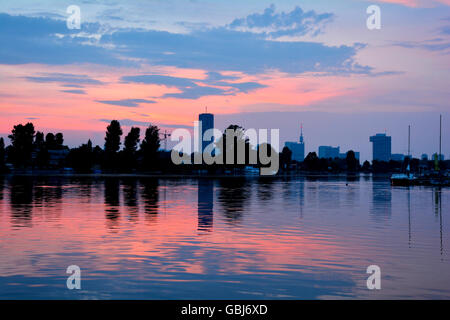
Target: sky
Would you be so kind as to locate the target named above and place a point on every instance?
(255, 63)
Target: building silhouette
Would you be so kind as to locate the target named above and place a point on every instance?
(381, 147)
(297, 148)
(207, 122)
(329, 152)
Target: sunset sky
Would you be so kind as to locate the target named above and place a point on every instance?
(257, 63)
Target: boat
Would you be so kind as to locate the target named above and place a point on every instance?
(403, 179)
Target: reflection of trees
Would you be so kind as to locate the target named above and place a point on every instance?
(21, 200)
(2, 186)
(205, 204)
(130, 197)
(47, 191)
(112, 201)
(150, 196)
(85, 189)
(264, 191)
(233, 194)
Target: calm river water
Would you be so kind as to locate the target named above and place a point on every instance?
(233, 238)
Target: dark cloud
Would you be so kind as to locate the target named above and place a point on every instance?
(196, 88)
(445, 30)
(294, 23)
(197, 92)
(167, 81)
(68, 79)
(130, 103)
(35, 40)
(130, 122)
(49, 41)
(430, 45)
(76, 91)
(221, 49)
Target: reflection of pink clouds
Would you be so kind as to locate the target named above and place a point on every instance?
(84, 220)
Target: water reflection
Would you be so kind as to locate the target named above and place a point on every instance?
(265, 189)
(21, 200)
(233, 196)
(381, 205)
(438, 212)
(205, 204)
(112, 202)
(409, 218)
(247, 251)
(47, 191)
(150, 196)
(130, 197)
(2, 186)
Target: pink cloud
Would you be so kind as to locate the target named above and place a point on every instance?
(418, 3)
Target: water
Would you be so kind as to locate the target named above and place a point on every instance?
(222, 239)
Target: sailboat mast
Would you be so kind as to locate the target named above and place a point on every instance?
(440, 137)
(409, 141)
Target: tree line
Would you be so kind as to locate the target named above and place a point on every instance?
(30, 149)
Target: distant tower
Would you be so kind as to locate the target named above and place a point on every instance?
(207, 122)
(302, 145)
(381, 148)
(301, 133)
(297, 148)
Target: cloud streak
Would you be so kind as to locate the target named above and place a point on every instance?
(130, 103)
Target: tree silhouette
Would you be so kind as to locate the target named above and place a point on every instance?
(50, 141)
(231, 147)
(128, 159)
(22, 144)
(312, 161)
(59, 139)
(39, 139)
(150, 146)
(366, 166)
(132, 140)
(112, 139)
(81, 159)
(42, 156)
(2, 155)
(112, 144)
(352, 162)
(285, 158)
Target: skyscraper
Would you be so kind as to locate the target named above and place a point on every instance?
(207, 122)
(329, 152)
(298, 149)
(381, 148)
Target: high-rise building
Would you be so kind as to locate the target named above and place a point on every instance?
(297, 148)
(207, 122)
(381, 147)
(329, 152)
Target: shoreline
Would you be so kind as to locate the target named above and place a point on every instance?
(191, 176)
